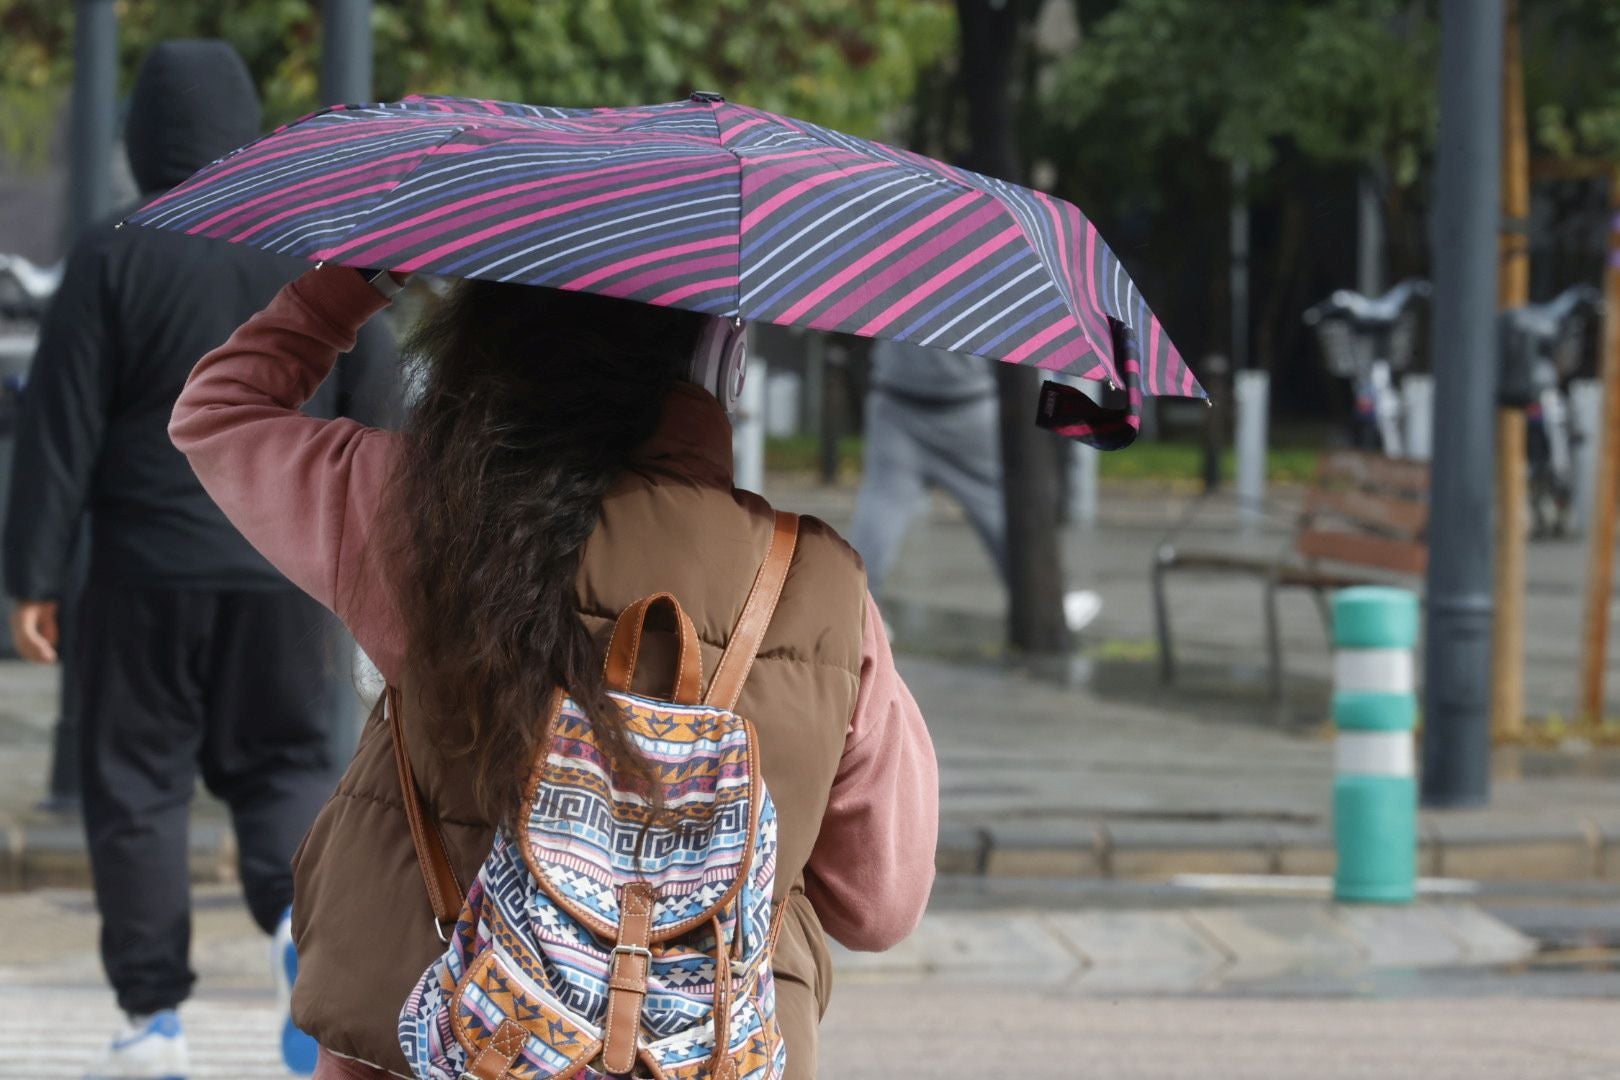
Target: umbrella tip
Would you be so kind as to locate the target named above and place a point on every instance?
(706, 95)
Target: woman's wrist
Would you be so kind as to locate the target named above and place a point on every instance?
(387, 282)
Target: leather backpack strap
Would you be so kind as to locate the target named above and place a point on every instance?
(443, 889)
(624, 649)
(756, 615)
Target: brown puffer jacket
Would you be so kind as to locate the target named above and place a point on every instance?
(361, 919)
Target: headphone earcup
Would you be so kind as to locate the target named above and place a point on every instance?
(719, 363)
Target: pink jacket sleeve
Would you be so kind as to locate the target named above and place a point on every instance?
(872, 868)
(305, 492)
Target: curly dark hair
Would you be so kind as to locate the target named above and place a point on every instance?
(530, 402)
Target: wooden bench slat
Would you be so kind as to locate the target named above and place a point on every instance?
(1374, 471)
(1364, 549)
(1407, 518)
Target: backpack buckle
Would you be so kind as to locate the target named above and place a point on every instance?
(632, 950)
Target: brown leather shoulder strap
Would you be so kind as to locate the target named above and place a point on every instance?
(756, 615)
(444, 891)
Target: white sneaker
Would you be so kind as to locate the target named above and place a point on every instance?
(298, 1051)
(149, 1048)
(1080, 608)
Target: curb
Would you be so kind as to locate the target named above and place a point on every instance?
(1189, 950)
(36, 855)
(1585, 849)
(52, 855)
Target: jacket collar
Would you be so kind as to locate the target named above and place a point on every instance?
(693, 438)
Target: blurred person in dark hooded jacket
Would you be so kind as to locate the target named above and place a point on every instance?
(193, 654)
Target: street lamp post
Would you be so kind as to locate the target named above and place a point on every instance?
(95, 112)
(346, 52)
(1456, 722)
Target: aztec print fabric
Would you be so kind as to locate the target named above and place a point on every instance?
(533, 944)
(699, 204)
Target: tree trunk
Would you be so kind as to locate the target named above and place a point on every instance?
(1035, 625)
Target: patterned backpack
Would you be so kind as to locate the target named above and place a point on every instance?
(595, 944)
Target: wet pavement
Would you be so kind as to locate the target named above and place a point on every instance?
(1552, 1015)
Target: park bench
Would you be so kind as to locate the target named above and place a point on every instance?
(1364, 522)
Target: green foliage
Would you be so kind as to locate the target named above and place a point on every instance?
(1572, 76)
(845, 63)
(1343, 80)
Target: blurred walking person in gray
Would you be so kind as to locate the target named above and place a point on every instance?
(932, 422)
(196, 656)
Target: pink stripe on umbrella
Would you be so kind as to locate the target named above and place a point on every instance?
(509, 225)
(622, 265)
(675, 296)
(882, 251)
(296, 191)
(1031, 345)
(939, 282)
(648, 278)
(910, 261)
(452, 214)
(293, 211)
(757, 178)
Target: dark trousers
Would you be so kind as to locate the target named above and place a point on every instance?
(241, 687)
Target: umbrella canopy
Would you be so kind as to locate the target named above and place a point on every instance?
(707, 205)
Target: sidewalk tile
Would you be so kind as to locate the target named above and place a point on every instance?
(1484, 938)
(1402, 936)
(969, 948)
(1270, 939)
(1140, 951)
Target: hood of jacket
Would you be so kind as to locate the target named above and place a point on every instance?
(194, 101)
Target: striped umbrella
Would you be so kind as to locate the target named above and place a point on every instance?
(707, 205)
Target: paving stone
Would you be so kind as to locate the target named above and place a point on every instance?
(1140, 951)
(970, 948)
(1401, 936)
(1269, 939)
(1484, 938)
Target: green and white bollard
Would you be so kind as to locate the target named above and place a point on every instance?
(1375, 710)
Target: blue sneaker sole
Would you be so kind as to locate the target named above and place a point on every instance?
(298, 1051)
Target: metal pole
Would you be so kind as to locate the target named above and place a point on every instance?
(95, 112)
(1369, 236)
(1456, 730)
(346, 52)
(1240, 266)
(346, 80)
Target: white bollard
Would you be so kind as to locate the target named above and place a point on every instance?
(1417, 415)
(1586, 417)
(748, 428)
(784, 399)
(1083, 462)
(1251, 394)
